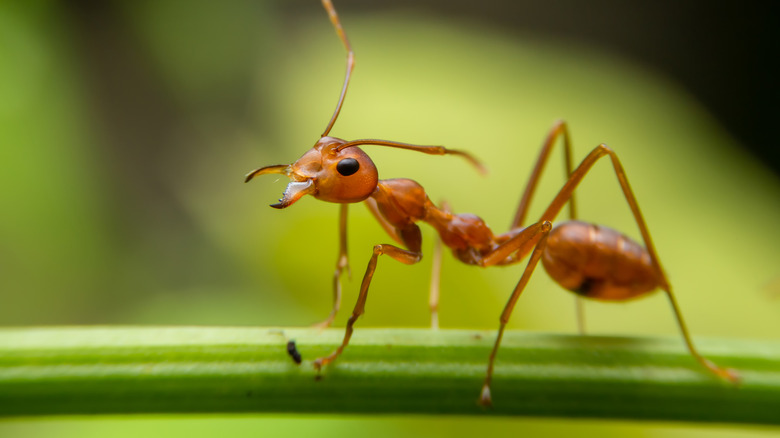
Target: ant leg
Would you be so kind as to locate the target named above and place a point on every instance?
(403, 256)
(539, 238)
(341, 264)
(433, 298)
(559, 129)
(724, 373)
(566, 192)
(579, 312)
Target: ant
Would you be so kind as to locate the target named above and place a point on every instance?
(592, 261)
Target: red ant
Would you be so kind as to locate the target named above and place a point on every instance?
(590, 260)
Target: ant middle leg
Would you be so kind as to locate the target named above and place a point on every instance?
(435, 288)
(435, 285)
(535, 236)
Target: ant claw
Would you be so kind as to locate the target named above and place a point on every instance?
(485, 398)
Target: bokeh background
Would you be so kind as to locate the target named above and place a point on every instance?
(126, 129)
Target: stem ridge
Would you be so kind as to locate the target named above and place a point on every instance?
(122, 370)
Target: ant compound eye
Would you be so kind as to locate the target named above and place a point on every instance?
(348, 166)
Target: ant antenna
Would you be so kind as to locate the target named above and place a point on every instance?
(430, 150)
(334, 18)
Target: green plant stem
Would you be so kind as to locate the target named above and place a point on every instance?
(88, 370)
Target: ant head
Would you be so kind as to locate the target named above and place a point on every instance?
(327, 173)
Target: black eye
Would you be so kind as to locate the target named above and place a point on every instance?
(348, 166)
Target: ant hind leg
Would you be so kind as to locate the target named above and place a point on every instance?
(565, 193)
(559, 129)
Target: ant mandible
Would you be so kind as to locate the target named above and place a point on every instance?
(592, 261)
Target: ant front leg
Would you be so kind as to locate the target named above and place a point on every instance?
(341, 264)
(403, 256)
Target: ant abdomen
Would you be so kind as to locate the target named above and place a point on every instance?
(598, 262)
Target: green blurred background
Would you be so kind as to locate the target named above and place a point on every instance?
(126, 128)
